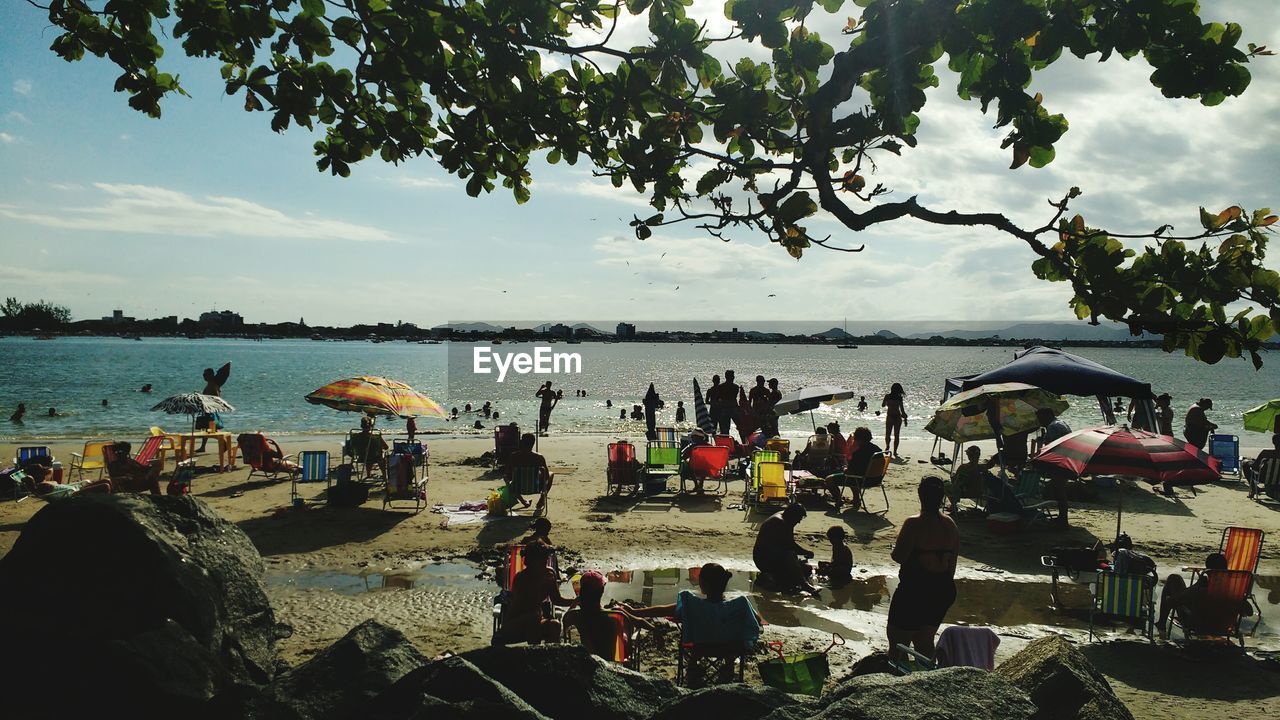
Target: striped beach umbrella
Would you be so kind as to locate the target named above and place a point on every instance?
(193, 404)
(974, 414)
(701, 414)
(1119, 450)
(376, 395)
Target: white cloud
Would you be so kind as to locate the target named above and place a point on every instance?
(22, 87)
(15, 116)
(8, 139)
(65, 186)
(148, 209)
(419, 182)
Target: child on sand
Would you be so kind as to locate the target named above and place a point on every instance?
(839, 572)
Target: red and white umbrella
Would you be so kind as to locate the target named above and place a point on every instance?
(1119, 450)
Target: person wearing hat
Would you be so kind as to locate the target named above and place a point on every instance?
(1196, 427)
(596, 629)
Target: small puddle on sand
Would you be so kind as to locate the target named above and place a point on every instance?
(856, 611)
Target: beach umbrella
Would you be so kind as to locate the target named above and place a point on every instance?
(1119, 450)
(1263, 418)
(701, 414)
(376, 396)
(193, 404)
(977, 414)
(809, 398)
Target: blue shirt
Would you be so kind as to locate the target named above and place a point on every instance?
(1055, 430)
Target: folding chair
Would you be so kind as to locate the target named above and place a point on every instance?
(264, 456)
(697, 661)
(1226, 448)
(511, 565)
(1228, 593)
(780, 446)
(151, 449)
(90, 458)
(623, 649)
(415, 448)
(31, 452)
(877, 468)
(528, 480)
(403, 482)
(661, 458)
(313, 466)
(623, 469)
(506, 439)
(710, 647)
(1268, 478)
(734, 466)
(1124, 596)
(1243, 549)
(768, 482)
(665, 436)
(1030, 494)
(705, 462)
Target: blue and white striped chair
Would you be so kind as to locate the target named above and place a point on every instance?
(313, 466)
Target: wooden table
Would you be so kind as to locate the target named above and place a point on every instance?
(226, 453)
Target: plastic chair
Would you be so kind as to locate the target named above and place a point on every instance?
(1123, 596)
(313, 466)
(1227, 593)
(1226, 448)
(90, 458)
(623, 470)
(705, 462)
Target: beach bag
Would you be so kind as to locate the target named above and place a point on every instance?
(801, 674)
(1075, 558)
(495, 505)
(342, 473)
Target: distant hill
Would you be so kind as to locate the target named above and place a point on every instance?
(1109, 332)
(888, 334)
(834, 333)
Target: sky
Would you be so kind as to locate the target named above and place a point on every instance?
(206, 208)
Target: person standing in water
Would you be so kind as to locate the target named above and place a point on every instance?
(652, 403)
(213, 382)
(18, 414)
(895, 417)
(549, 400)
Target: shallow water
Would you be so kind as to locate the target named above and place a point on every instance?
(857, 611)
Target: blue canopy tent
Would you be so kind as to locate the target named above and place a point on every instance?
(1066, 374)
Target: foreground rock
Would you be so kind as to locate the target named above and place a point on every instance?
(1062, 682)
(960, 693)
(154, 604)
(341, 680)
(566, 681)
(452, 688)
(736, 701)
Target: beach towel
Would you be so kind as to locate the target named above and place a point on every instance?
(968, 646)
(467, 513)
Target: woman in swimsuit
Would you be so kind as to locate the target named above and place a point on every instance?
(927, 548)
(895, 416)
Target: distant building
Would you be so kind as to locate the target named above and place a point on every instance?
(626, 331)
(221, 317)
(560, 330)
(117, 317)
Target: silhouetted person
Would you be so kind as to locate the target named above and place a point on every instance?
(19, 413)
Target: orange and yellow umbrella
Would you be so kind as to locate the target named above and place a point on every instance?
(378, 395)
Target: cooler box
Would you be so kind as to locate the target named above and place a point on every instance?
(1004, 523)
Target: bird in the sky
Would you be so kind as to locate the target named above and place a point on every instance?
(773, 295)
(677, 287)
(763, 277)
(627, 262)
(662, 256)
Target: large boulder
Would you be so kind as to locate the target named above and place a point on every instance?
(452, 688)
(1062, 682)
(959, 693)
(566, 681)
(341, 680)
(155, 603)
(737, 701)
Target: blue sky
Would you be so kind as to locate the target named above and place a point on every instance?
(102, 207)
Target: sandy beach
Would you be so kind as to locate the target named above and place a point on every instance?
(305, 549)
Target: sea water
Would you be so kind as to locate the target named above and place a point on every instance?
(269, 379)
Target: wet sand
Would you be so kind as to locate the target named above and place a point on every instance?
(315, 558)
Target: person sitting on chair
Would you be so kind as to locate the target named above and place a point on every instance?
(816, 453)
(858, 465)
(596, 630)
(525, 457)
(970, 479)
(696, 438)
(777, 554)
(523, 616)
(128, 475)
(1251, 468)
(1192, 603)
(731, 625)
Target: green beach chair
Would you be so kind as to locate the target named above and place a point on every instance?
(526, 480)
(1124, 596)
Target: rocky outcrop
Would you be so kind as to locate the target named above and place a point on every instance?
(453, 687)
(566, 681)
(962, 693)
(737, 701)
(342, 680)
(1062, 682)
(155, 603)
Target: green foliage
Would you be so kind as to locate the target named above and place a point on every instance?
(17, 315)
(465, 83)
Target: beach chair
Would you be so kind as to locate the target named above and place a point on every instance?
(527, 480)
(734, 466)
(1030, 494)
(90, 458)
(665, 436)
(152, 449)
(31, 452)
(170, 444)
(403, 483)
(1228, 594)
(967, 646)
(313, 466)
(661, 458)
(1226, 448)
(264, 456)
(705, 462)
(709, 652)
(623, 650)
(623, 470)
(1268, 478)
(1124, 596)
(415, 448)
(877, 469)
(767, 484)
(818, 458)
(128, 472)
(1243, 548)
(506, 439)
(365, 449)
(510, 566)
(780, 446)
